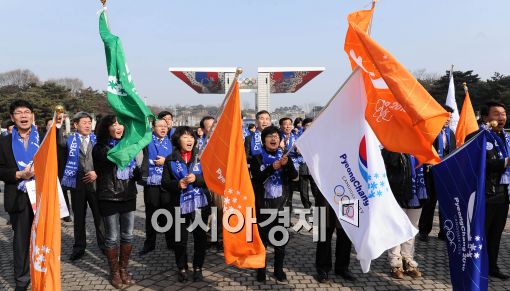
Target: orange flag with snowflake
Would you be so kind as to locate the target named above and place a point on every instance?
(225, 171)
(403, 115)
(467, 120)
(45, 239)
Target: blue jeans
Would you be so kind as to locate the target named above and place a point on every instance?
(111, 224)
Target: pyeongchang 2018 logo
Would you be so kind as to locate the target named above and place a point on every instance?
(348, 204)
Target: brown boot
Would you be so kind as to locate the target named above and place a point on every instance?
(397, 273)
(411, 269)
(125, 253)
(112, 254)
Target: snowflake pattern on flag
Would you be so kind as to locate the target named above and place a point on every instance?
(474, 247)
(377, 185)
(233, 201)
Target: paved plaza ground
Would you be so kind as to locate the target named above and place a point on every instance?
(156, 270)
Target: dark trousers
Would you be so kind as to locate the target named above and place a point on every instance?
(79, 199)
(279, 251)
(21, 223)
(304, 181)
(323, 256)
(199, 241)
(154, 200)
(66, 198)
(495, 221)
(427, 212)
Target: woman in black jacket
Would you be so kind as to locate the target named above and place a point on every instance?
(183, 179)
(116, 191)
(272, 177)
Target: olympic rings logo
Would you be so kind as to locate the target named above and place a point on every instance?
(450, 235)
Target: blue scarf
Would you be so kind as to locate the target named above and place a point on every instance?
(256, 143)
(202, 142)
(300, 130)
(73, 157)
(24, 158)
(171, 133)
(126, 173)
(503, 149)
(192, 198)
(440, 149)
(418, 183)
(294, 156)
(246, 132)
(157, 148)
(273, 185)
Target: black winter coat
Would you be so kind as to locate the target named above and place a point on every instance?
(108, 186)
(171, 184)
(260, 176)
(494, 168)
(399, 173)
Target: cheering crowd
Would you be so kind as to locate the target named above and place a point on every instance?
(170, 172)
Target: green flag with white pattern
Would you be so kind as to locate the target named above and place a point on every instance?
(123, 98)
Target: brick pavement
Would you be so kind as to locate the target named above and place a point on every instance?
(156, 270)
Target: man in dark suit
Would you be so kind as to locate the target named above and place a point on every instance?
(79, 176)
(16, 155)
(444, 144)
(496, 190)
(252, 143)
(154, 196)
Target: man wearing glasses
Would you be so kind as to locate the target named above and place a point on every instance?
(17, 151)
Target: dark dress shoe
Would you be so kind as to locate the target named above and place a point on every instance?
(423, 237)
(146, 250)
(322, 277)
(261, 275)
(67, 219)
(21, 288)
(441, 236)
(347, 275)
(197, 275)
(182, 275)
(499, 275)
(76, 255)
(280, 275)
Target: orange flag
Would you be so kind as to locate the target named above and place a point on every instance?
(467, 120)
(45, 239)
(225, 171)
(400, 111)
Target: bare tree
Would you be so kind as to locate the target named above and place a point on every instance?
(19, 78)
(73, 84)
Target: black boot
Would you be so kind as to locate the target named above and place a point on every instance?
(279, 255)
(261, 275)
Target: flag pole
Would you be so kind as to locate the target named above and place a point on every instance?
(239, 71)
(371, 18)
(327, 104)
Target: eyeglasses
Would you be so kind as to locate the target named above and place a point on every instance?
(28, 112)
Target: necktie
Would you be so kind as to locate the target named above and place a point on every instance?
(84, 144)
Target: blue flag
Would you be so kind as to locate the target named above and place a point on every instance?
(460, 186)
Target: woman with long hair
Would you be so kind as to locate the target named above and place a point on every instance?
(116, 191)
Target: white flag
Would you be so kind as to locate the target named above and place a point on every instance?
(450, 101)
(344, 158)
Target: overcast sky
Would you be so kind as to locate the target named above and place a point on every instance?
(57, 38)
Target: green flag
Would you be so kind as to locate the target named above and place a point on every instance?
(123, 98)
